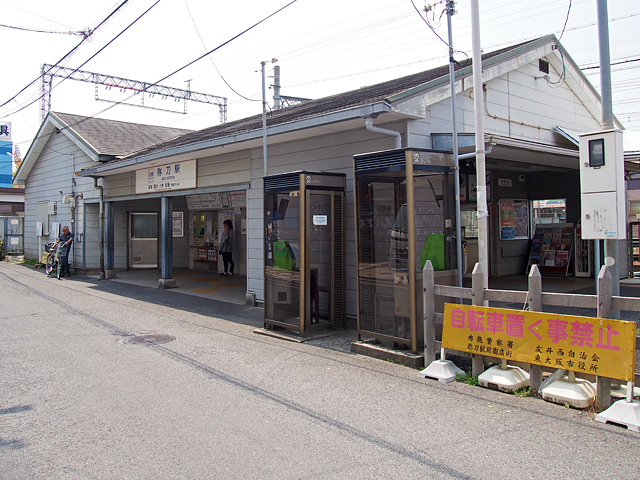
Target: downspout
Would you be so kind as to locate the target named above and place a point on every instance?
(73, 223)
(100, 225)
(368, 123)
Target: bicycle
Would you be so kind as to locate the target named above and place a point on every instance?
(53, 260)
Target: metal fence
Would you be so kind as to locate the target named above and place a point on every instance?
(604, 303)
(11, 230)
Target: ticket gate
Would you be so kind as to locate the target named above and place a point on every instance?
(305, 254)
(405, 215)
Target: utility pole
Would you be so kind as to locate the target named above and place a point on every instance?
(276, 86)
(481, 173)
(611, 246)
(264, 117)
(454, 129)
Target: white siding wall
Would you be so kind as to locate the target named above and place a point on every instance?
(52, 172)
(519, 97)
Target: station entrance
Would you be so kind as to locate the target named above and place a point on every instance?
(304, 271)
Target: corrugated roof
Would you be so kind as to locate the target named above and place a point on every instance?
(116, 138)
(341, 101)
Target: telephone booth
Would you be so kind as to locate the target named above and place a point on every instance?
(405, 215)
(304, 269)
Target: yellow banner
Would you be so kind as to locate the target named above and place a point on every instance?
(583, 344)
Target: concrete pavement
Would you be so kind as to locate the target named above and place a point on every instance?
(79, 401)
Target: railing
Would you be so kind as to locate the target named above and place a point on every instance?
(604, 303)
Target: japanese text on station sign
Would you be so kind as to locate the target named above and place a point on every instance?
(174, 176)
(583, 344)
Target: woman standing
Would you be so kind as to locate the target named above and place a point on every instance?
(226, 249)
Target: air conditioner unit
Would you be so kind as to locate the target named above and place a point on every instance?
(52, 208)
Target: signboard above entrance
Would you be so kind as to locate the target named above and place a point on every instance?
(582, 344)
(212, 201)
(161, 178)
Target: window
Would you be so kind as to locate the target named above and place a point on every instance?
(469, 223)
(550, 211)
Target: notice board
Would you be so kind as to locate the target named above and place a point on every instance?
(514, 219)
(596, 346)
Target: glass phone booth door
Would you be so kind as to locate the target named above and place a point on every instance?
(304, 251)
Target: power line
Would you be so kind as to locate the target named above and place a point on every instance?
(33, 30)
(88, 60)
(36, 15)
(425, 20)
(565, 21)
(212, 62)
(72, 51)
(228, 41)
(181, 68)
(616, 63)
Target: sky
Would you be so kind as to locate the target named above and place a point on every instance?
(322, 48)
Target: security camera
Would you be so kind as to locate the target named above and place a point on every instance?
(60, 192)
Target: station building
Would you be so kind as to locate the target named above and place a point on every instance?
(165, 193)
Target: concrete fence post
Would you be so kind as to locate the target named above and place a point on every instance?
(429, 310)
(535, 305)
(605, 286)
(477, 298)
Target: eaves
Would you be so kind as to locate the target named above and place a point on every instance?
(361, 111)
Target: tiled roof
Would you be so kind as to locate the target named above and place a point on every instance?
(363, 96)
(341, 101)
(115, 138)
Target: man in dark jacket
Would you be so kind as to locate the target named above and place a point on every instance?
(66, 238)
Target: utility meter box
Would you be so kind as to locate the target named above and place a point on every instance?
(602, 185)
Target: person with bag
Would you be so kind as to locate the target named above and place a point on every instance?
(226, 248)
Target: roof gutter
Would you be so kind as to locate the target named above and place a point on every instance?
(353, 113)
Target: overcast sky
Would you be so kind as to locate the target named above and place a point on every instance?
(322, 48)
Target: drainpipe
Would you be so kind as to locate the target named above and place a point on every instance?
(100, 225)
(464, 156)
(73, 223)
(368, 122)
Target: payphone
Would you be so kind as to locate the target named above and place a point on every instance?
(304, 258)
(405, 215)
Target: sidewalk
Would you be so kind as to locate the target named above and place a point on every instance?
(197, 283)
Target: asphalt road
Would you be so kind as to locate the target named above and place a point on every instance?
(78, 401)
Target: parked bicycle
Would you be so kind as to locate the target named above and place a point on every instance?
(53, 259)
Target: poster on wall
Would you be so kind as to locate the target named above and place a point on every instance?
(473, 188)
(463, 187)
(204, 201)
(178, 225)
(521, 223)
(224, 199)
(507, 220)
(237, 199)
(514, 219)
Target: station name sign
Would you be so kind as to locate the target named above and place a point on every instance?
(596, 346)
(171, 176)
